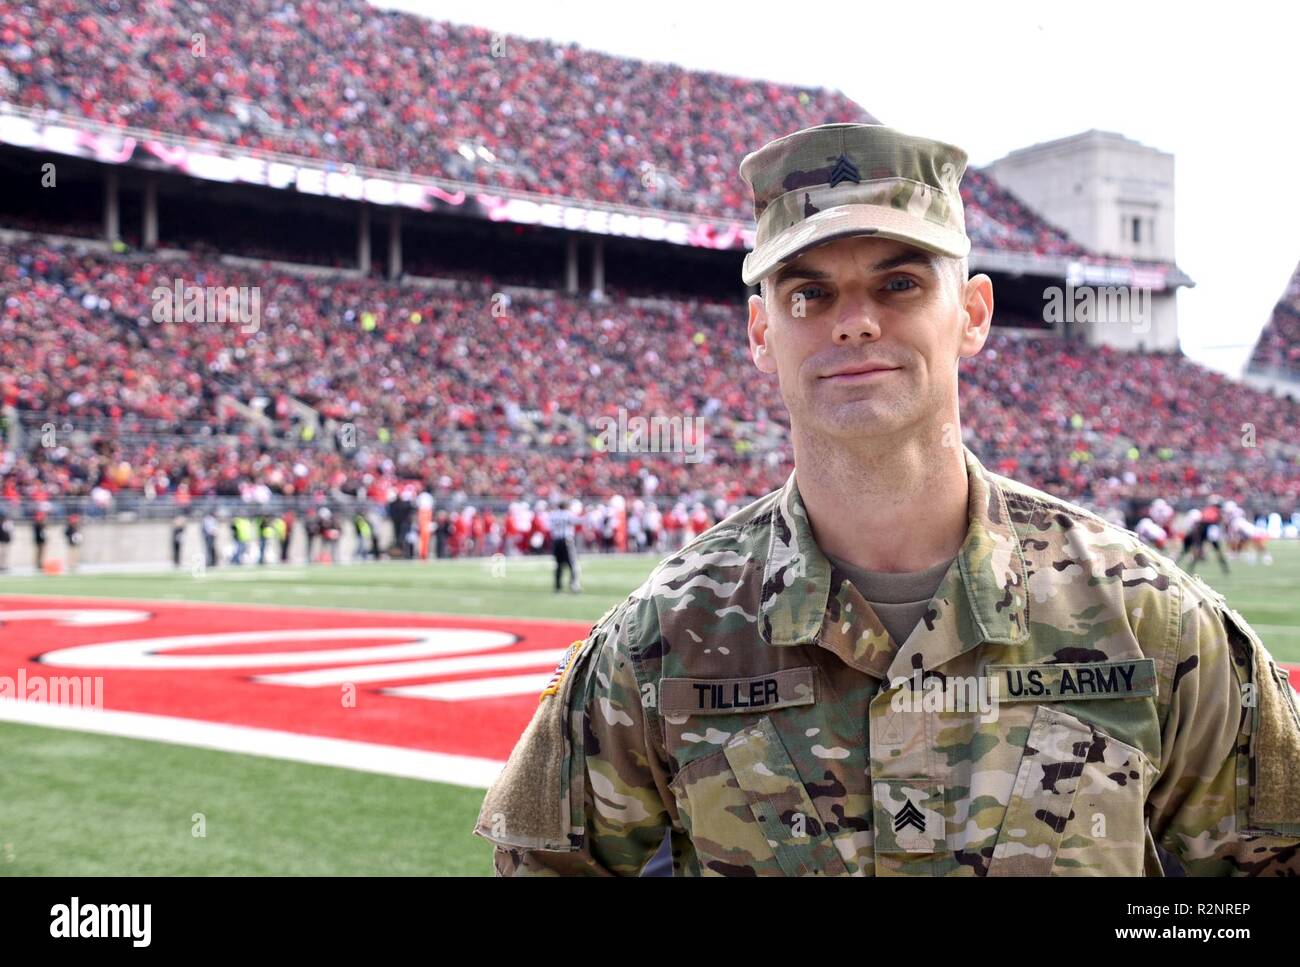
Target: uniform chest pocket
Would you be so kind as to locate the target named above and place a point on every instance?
(1077, 803)
(749, 813)
(780, 803)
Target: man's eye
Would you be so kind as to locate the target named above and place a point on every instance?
(893, 284)
(808, 292)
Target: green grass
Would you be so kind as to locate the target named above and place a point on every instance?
(520, 588)
(81, 804)
(1265, 595)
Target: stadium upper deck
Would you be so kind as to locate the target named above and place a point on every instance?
(342, 82)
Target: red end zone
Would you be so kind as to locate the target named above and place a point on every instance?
(455, 685)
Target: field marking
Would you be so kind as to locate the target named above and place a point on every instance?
(77, 617)
(457, 770)
(145, 653)
(226, 605)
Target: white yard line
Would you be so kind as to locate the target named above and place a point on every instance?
(388, 760)
(226, 605)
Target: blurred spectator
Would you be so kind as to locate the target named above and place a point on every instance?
(6, 538)
(73, 537)
(178, 538)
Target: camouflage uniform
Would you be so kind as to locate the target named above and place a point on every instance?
(747, 697)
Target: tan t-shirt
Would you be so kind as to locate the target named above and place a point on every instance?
(899, 599)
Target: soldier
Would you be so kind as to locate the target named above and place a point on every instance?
(900, 663)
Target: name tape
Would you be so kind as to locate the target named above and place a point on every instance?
(715, 696)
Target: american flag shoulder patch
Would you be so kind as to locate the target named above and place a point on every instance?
(566, 662)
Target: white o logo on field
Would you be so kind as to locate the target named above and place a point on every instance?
(142, 653)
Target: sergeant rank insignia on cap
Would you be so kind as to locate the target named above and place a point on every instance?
(844, 170)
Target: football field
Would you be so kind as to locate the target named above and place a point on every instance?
(227, 743)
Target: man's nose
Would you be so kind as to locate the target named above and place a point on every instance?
(856, 324)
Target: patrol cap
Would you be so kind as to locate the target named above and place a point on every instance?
(836, 180)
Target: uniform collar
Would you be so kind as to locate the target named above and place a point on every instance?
(982, 598)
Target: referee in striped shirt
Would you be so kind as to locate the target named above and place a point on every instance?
(564, 528)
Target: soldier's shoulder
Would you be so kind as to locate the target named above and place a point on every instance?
(1077, 548)
(1022, 497)
(1038, 514)
(745, 533)
(727, 556)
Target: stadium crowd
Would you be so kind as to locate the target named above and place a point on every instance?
(1277, 350)
(340, 81)
(483, 396)
(347, 388)
(396, 361)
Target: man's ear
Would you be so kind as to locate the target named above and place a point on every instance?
(759, 350)
(977, 315)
